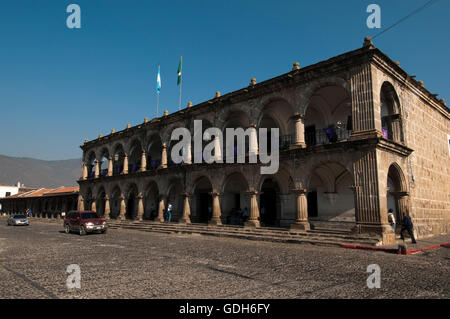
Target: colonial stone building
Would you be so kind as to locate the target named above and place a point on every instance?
(358, 135)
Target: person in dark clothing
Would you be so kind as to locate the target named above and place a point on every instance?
(408, 226)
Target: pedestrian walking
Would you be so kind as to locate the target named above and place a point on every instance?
(169, 212)
(408, 226)
(391, 218)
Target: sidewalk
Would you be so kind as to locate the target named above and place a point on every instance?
(406, 247)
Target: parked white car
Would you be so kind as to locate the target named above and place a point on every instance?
(16, 220)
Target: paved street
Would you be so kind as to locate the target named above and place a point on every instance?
(133, 264)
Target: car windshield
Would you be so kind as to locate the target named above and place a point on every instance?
(89, 216)
(19, 216)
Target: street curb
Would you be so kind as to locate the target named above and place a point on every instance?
(393, 250)
(412, 251)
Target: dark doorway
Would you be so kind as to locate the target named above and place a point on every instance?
(268, 203)
(130, 206)
(237, 201)
(312, 204)
(205, 207)
(310, 135)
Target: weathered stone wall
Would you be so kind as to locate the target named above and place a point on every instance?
(427, 170)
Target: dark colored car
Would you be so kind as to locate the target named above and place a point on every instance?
(84, 222)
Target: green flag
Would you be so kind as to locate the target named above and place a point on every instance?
(179, 71)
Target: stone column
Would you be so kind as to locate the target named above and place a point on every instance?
(370, 218)
(301, 218)
(218, 150)
(122, 210)
(140, 206)
(365, 104)
(188, 154)
(186, 218)
(161, 208)
(97, 168)
(125, 164)
(396, 129)
(216, 212)
(253, 150)
(164, 156)
(253, 220)
(80, 203)
(84, 167)
(107, 208)
(299, 134)
(110, 166)
(143, 162)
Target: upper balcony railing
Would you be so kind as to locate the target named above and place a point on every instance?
(326, 136)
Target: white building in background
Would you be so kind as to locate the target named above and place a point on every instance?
(8, 190)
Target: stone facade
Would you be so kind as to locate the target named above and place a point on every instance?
(358, 135)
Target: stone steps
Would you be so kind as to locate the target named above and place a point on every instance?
(327, 237)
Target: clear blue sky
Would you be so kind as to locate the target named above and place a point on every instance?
(59, 86)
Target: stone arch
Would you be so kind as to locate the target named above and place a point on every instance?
(131, 201)
(135, 155)
(154, 150)
(234, 197)
(330, 195)
(281, 111)
(201, 210)
(118, 157)
(311, 89)
(397, 197)
(151, 200)
(91, 159)
(174, 197)
(328, 114)
(88, 199)
(103, 159)
(115, 201)
(390, 113)
(101, 201)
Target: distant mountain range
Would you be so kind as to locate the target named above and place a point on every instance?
(38, 173)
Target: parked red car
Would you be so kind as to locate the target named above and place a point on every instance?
(84, 222)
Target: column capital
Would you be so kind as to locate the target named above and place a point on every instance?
(299, 191)
(252, 192)
(215, 193)
(297, 117)
(186, 194)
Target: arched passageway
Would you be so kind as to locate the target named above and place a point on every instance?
(131, 202)
(328, 117)
(101, 202)
(330, 196)
(151, 201)
(234, 198)
(397, 195)
(118, 159)
(269, 203)
(115, 202)
(202, 201)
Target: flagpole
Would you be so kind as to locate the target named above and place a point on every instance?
(157, 103)
(158, 82)
(181, 81)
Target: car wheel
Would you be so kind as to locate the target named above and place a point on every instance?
(67, 230)
(82, 231)
(104, 231)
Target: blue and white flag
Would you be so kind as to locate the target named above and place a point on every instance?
(158, 81)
